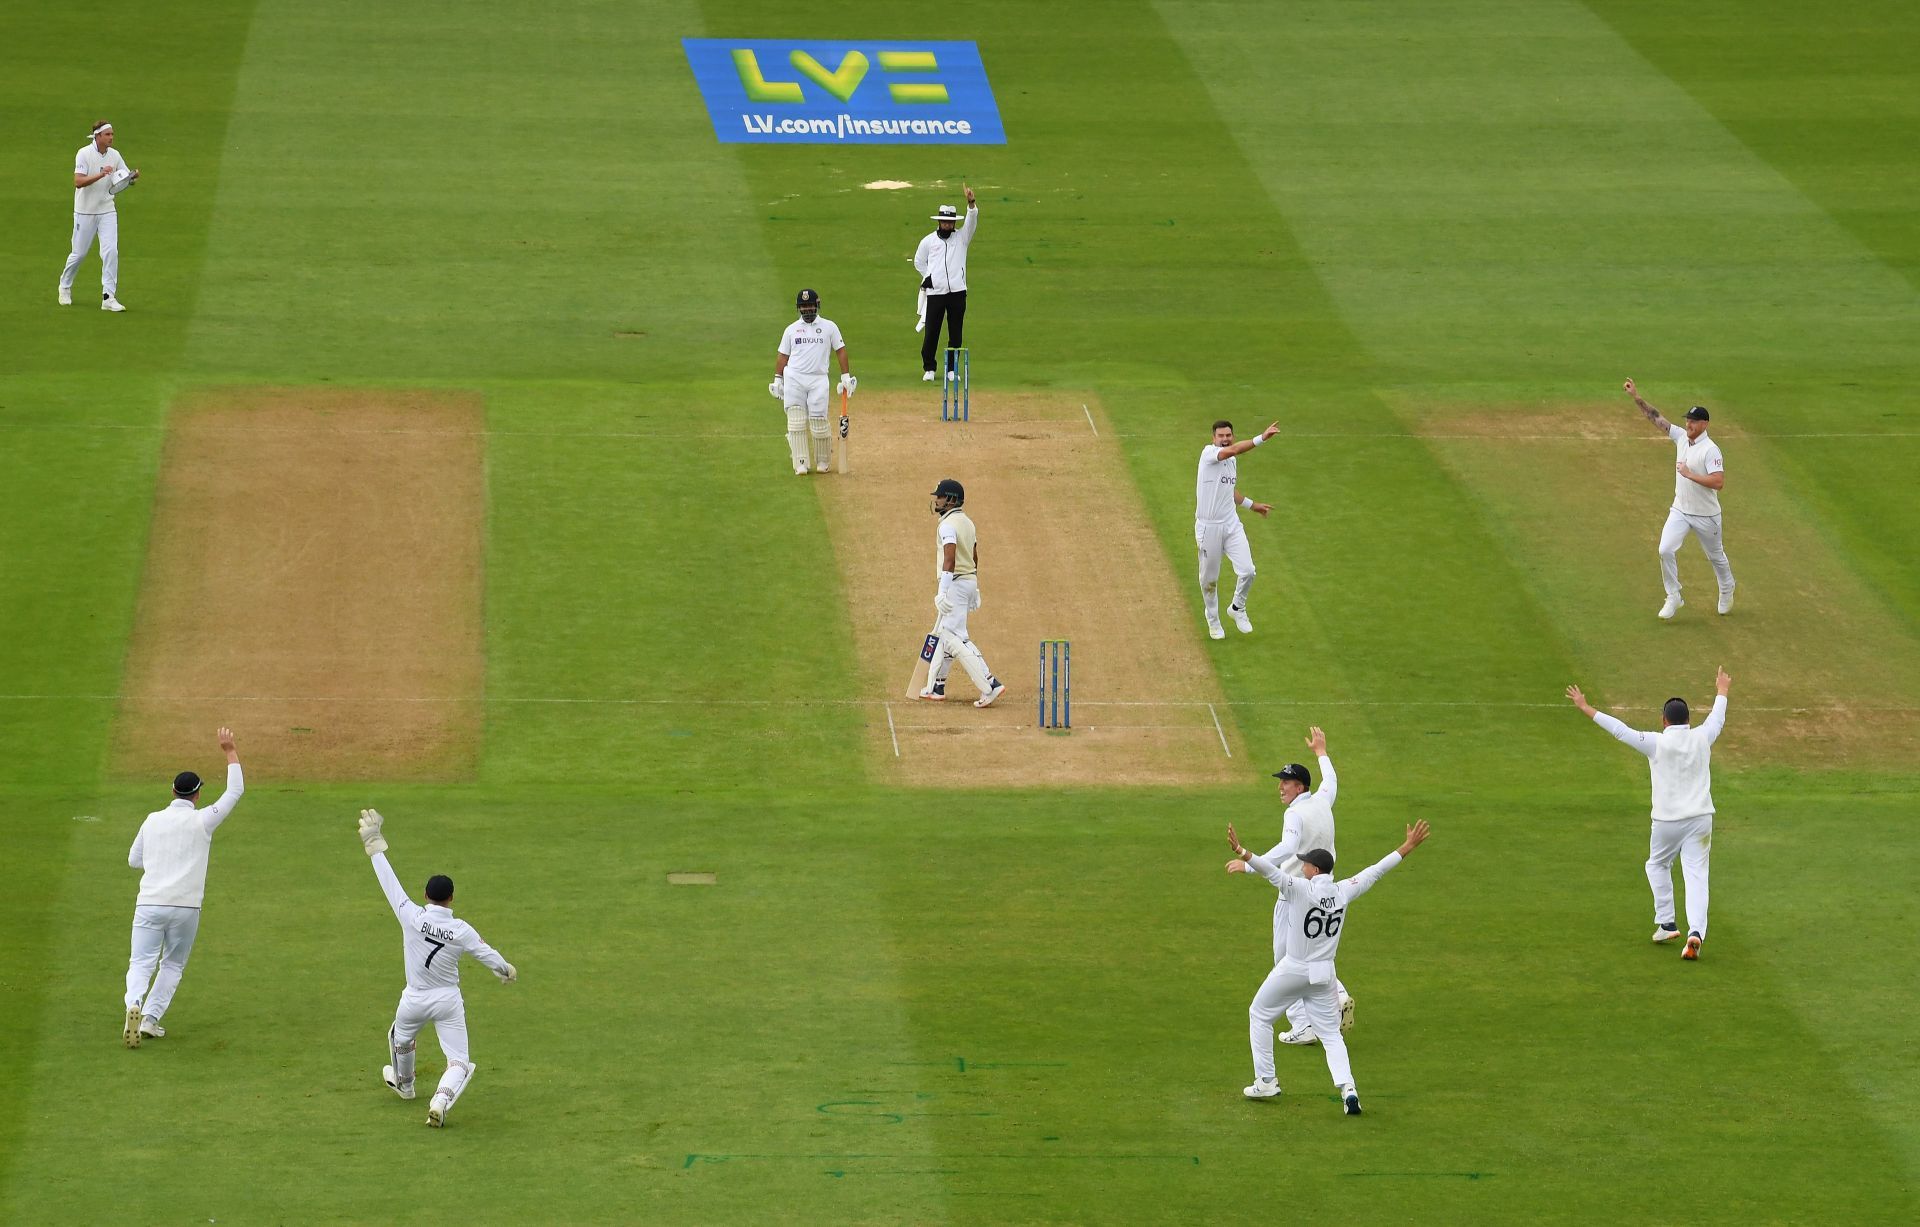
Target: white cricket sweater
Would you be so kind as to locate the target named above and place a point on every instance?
(173, 846)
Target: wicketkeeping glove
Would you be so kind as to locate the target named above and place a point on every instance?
(508, 976)
(848, 383)
(778, 388)
(370, 835)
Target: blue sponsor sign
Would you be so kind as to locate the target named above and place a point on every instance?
(774, 90)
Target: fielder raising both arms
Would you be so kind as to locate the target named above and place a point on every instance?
(1317, 915)
(1699, 476)
(1216, 525)
(1682, 805)
(433, 940)
(800, 382)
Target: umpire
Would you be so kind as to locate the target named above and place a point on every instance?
(941, 262)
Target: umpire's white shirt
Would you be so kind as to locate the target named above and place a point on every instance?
(95, 198)
(1702, 458)
(432, 938)
(1681, 759)
(945, 260)
(1216, 488)
(174, 843)
(809, 346)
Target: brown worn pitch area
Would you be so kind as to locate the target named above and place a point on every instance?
(314, 580)
(1065, 552)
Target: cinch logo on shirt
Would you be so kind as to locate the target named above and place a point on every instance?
(761, 90)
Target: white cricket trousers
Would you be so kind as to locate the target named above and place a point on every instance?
(162, 938)
(1674, 534)
(87, 227)
(1286, 985)
(954, 643)
(1219, 539)
(447, 1011)
(1297, 1012)
(1691, 840)
(806, 404)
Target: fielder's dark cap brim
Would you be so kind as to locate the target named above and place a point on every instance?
(1697, 414)
(186, 784)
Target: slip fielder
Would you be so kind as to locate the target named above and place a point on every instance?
(958, 559)
(1699, 476)
(1681, 762)
(800, 382)
(1216, 525)
(432, 941)
(1316, 919)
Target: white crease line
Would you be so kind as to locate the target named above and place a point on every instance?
(1090, 425)
(891, 731)
(1219, 730)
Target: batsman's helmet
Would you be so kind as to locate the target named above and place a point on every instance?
(807, 298)
(952, 489)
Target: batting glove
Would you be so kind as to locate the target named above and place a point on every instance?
(848, 383)
(508, 976)
(778, 388)
(370, 835)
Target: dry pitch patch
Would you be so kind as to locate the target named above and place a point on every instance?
(1825, 673)
(1065, 553)
(313, 579)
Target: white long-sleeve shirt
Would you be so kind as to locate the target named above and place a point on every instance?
(432, 937)
(1308, 823)
(945, 260)
(1318, 912)
(1681, 761)
(173, 845)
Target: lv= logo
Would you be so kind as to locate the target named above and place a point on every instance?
(842, 81)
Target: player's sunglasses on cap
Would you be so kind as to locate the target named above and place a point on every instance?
(186, 784)
(1295, 772)
(1697, 414)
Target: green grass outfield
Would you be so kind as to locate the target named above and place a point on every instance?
(1381, 223)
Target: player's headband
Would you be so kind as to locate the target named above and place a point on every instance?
(102, 128)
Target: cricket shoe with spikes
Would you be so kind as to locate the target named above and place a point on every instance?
(1692, 952)
(437, 1110)
(130, 1029)
(391, 1076)
(995, 688)
(1240, 619)
(1670, 607)
(1350, 1100)
(936, 693)
(1666, 933)
(1300, 1035)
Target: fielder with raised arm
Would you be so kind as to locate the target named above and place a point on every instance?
(1305, 975)
(433, 940)
(800, 370)
(1682, 805)
(171, 851)
(1216, 524)
(1699, 475)
(957, 558)
(1308, 824)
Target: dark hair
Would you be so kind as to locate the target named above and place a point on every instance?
(439, 888)
(1223, 422)
(1675, 711)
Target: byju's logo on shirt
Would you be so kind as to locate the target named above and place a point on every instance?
(761, 90)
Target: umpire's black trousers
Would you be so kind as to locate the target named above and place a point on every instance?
(953, 309)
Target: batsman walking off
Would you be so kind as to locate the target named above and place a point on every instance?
(1699, 476)
(958, 559)
(432, 941)
(1216, 525)
(800, 382)
(1681, 760)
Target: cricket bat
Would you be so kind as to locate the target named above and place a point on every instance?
(921, 666)
(845, 424)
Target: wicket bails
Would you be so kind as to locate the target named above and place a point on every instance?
(956, 385)
(1056, 684)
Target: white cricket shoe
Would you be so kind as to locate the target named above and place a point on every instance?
(391, 1076)
(1262, 1088)
(936, 693)
(822, 468)
(151, 1028)
(437, 1110)
(1350, 1098)
(1216, 631)
(799, 470)
(926, 377)
(1240, 619)
(1346, 1015)
(66, 296)
(995, 688)
(110, 303)
(1300, 1035)
(1670, 608)
(953, 375)
(130, 1030)
(1663, 934)
(1726, 601)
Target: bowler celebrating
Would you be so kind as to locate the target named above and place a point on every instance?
(800, 382)
(1682, 805)
(1699, 476)
(433, 941)
(1216, 525)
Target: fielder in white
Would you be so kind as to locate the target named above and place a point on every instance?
(1699, 476)
(1216, 525)
(1308, 825)
(1682, 805)
(432, 941)
(99, 173)
(1305, 975)
(171, 852)
(800, 382)
(957, 555)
